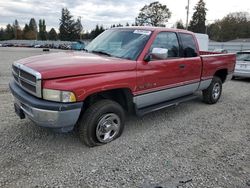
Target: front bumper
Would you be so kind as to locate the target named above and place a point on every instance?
(59, 116)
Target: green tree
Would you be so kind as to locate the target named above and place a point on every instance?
(33, 25)
(33, 29)
(8, 33)
(67, 26)
(179, 25)
(17, 30)
(119, 25)
(86, 35)
(26, 32)
(2, 33)
(214, 31)
(42, 30)
(154, 14)
(94, 33)
(101, 29)
(78, 29)
(97, 31)
(233, 26)
(198, 21)
(52, 35)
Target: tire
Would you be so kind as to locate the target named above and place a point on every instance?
(101, 123)
(212, 94)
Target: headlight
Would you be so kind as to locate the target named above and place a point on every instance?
(58, 96)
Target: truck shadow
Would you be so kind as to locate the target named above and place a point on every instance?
(164, 116)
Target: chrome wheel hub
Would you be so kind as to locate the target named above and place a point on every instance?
(216, 91)
(108, 127)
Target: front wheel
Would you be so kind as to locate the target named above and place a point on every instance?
(212, 94)
(101, 123)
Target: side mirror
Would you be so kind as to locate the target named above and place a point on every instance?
(157, 54)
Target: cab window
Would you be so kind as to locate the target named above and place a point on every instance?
(188, 45)
(166, 42)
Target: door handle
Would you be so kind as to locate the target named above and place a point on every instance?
(182, 66)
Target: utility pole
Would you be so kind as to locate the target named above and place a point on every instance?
(187, 7)
(206, 24)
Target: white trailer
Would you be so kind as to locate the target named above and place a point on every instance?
(203, 41)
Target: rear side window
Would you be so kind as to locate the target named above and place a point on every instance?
(188, 45)
(241, 56)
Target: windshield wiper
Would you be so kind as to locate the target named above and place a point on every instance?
(246, 59)
(84, 49)
(101, 52)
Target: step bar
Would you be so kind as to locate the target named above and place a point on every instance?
(175, 102)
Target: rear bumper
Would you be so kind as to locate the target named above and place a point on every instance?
(60, 116)
(241, 73)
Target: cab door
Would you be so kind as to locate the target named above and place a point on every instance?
(162, 79)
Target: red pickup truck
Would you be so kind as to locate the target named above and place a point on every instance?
(124, 70)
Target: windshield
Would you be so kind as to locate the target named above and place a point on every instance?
(126, 44)
(243, 56)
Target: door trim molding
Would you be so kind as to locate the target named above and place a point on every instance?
(159, 96)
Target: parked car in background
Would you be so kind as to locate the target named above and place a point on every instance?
(7, 45)
(79, 45)
(37, 46)
(242, 68)
(220, 50)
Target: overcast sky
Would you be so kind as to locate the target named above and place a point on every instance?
(107, 12)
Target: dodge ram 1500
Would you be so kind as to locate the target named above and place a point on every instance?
(124, 70)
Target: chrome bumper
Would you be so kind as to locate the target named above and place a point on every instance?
(59, 116)
(242, 73)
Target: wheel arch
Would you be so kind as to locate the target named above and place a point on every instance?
(122, 96)
(222, 74)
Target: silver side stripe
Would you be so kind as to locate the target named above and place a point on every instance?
(157, 97)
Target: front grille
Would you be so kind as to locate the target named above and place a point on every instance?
(28, 86)
(27, 78)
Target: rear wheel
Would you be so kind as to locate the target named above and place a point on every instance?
(212, 94)
(102, 123)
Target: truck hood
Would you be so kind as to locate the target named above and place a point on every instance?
(65, 64)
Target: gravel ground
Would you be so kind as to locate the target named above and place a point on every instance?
(191, 145)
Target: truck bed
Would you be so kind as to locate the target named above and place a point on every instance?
(213, 61)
